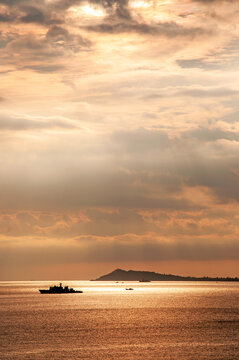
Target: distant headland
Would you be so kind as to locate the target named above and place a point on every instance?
(131, 275)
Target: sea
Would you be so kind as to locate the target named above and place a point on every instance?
(156, 320)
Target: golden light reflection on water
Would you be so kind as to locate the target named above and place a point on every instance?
(183, 321)
(112, 294)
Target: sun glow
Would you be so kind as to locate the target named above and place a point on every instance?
(92, 11)
(88, 11)
(145, 4)
(140, 4)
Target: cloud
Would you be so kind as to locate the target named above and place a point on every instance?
(232, 117)
(5, 18)
(21, 124)
(167, 29)
(201, 93)
(216, 92)
(56, 33)
(33, 15)
(139, 169)
(124, 249)
(59, 35)
(56, 42)
(44, 69)
(42, 53)
(215, 1)
(39, 12)
(211, 135)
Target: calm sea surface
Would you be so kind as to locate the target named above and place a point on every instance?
(158, 320)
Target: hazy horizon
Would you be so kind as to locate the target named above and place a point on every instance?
(95, 275)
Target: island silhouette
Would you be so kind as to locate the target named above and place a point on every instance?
(146, 276)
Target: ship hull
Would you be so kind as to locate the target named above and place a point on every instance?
(60, 292)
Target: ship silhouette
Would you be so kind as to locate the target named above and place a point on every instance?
(59, 290)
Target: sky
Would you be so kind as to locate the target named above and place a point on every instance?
(119, 137)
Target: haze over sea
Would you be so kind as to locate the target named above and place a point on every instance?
(157, 320)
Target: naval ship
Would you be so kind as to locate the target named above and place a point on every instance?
(59, 290)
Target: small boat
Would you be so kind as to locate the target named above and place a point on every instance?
(129, 289)
(60, 290)
(144, 280)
